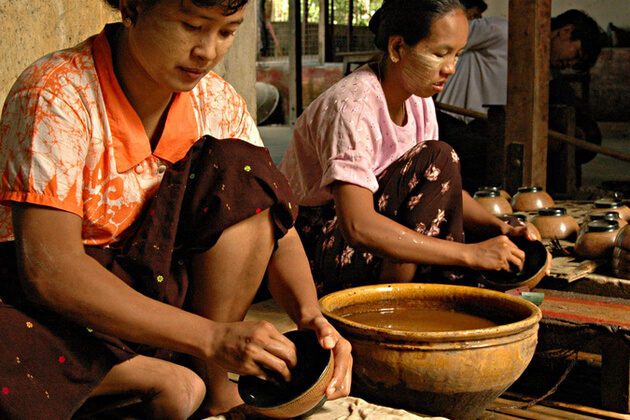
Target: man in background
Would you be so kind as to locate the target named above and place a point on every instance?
(481, 80)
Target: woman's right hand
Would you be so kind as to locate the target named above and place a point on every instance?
(253, 348)
(498, 253)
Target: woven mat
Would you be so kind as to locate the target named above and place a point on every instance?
(586, 309)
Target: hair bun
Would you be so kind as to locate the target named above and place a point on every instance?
(375, 21)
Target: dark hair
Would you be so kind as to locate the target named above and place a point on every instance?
(230, 6)
(469, 4)
(411, 19)
(591, 36)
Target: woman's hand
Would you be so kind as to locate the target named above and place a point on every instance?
(329, 338)
(531, 233)
(253, 348)
(498, 253)
(525, 230)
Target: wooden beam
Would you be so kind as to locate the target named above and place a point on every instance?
(295, 62)
(528, 93)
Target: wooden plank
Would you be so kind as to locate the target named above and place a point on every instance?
(616, 376)
(572, 407)
(528, 92)
(536, 412)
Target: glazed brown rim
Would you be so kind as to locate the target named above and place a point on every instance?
(327, 307)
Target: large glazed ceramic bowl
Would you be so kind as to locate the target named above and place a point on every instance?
(455, 374)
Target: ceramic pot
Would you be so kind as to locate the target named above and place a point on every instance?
(604, 215)
(531, 199)
(611, 204)
(454, 374)
(554, 222)
(621, 262)
(493, 202)
(503, 193)
(623, 238)
(597, 240)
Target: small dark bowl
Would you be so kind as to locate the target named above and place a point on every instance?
(536, 258)
(301, 396)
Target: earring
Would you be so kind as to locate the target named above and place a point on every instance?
(127, 22)
(394, 59)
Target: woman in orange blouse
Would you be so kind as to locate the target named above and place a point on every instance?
(135, 233)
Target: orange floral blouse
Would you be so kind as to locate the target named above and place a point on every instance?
(70, 140)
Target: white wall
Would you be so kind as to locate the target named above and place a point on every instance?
(603, 11)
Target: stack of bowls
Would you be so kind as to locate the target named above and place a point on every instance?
(554, 222)
(611, 204)
(605, 215)
(621, 254)
(531, 199)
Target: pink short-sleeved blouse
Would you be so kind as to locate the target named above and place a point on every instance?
(69, 139)
(347, 135)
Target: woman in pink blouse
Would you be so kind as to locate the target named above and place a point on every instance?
(380, 199)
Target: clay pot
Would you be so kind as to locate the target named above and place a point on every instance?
(301, 396)
(493, 202)
(534, 268)
(623, 238)
(597, 240)
(611, 204)
(621, 254)
(503, 193)
(604, 215)
(531, 199)
(554, 222)
(455, 374)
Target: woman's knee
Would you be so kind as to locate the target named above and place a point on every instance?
(177, 395)
(169, 390)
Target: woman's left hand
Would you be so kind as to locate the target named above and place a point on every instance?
(525, 230)
(329, 338)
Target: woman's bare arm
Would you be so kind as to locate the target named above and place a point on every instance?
(58, 274)
(365, 228)
(291, 284)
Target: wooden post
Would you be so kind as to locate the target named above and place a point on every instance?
(304, 25)
(562, 176)
(350, 23)
(325, 31)
(528, 92)
(496, 142)
(295, 62)
(615, 387)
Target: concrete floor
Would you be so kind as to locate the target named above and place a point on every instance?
(602, 172)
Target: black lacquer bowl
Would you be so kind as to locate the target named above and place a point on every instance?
(536, 259)
(301, 396)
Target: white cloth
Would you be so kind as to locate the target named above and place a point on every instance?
(348, 408)
(481, 73)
